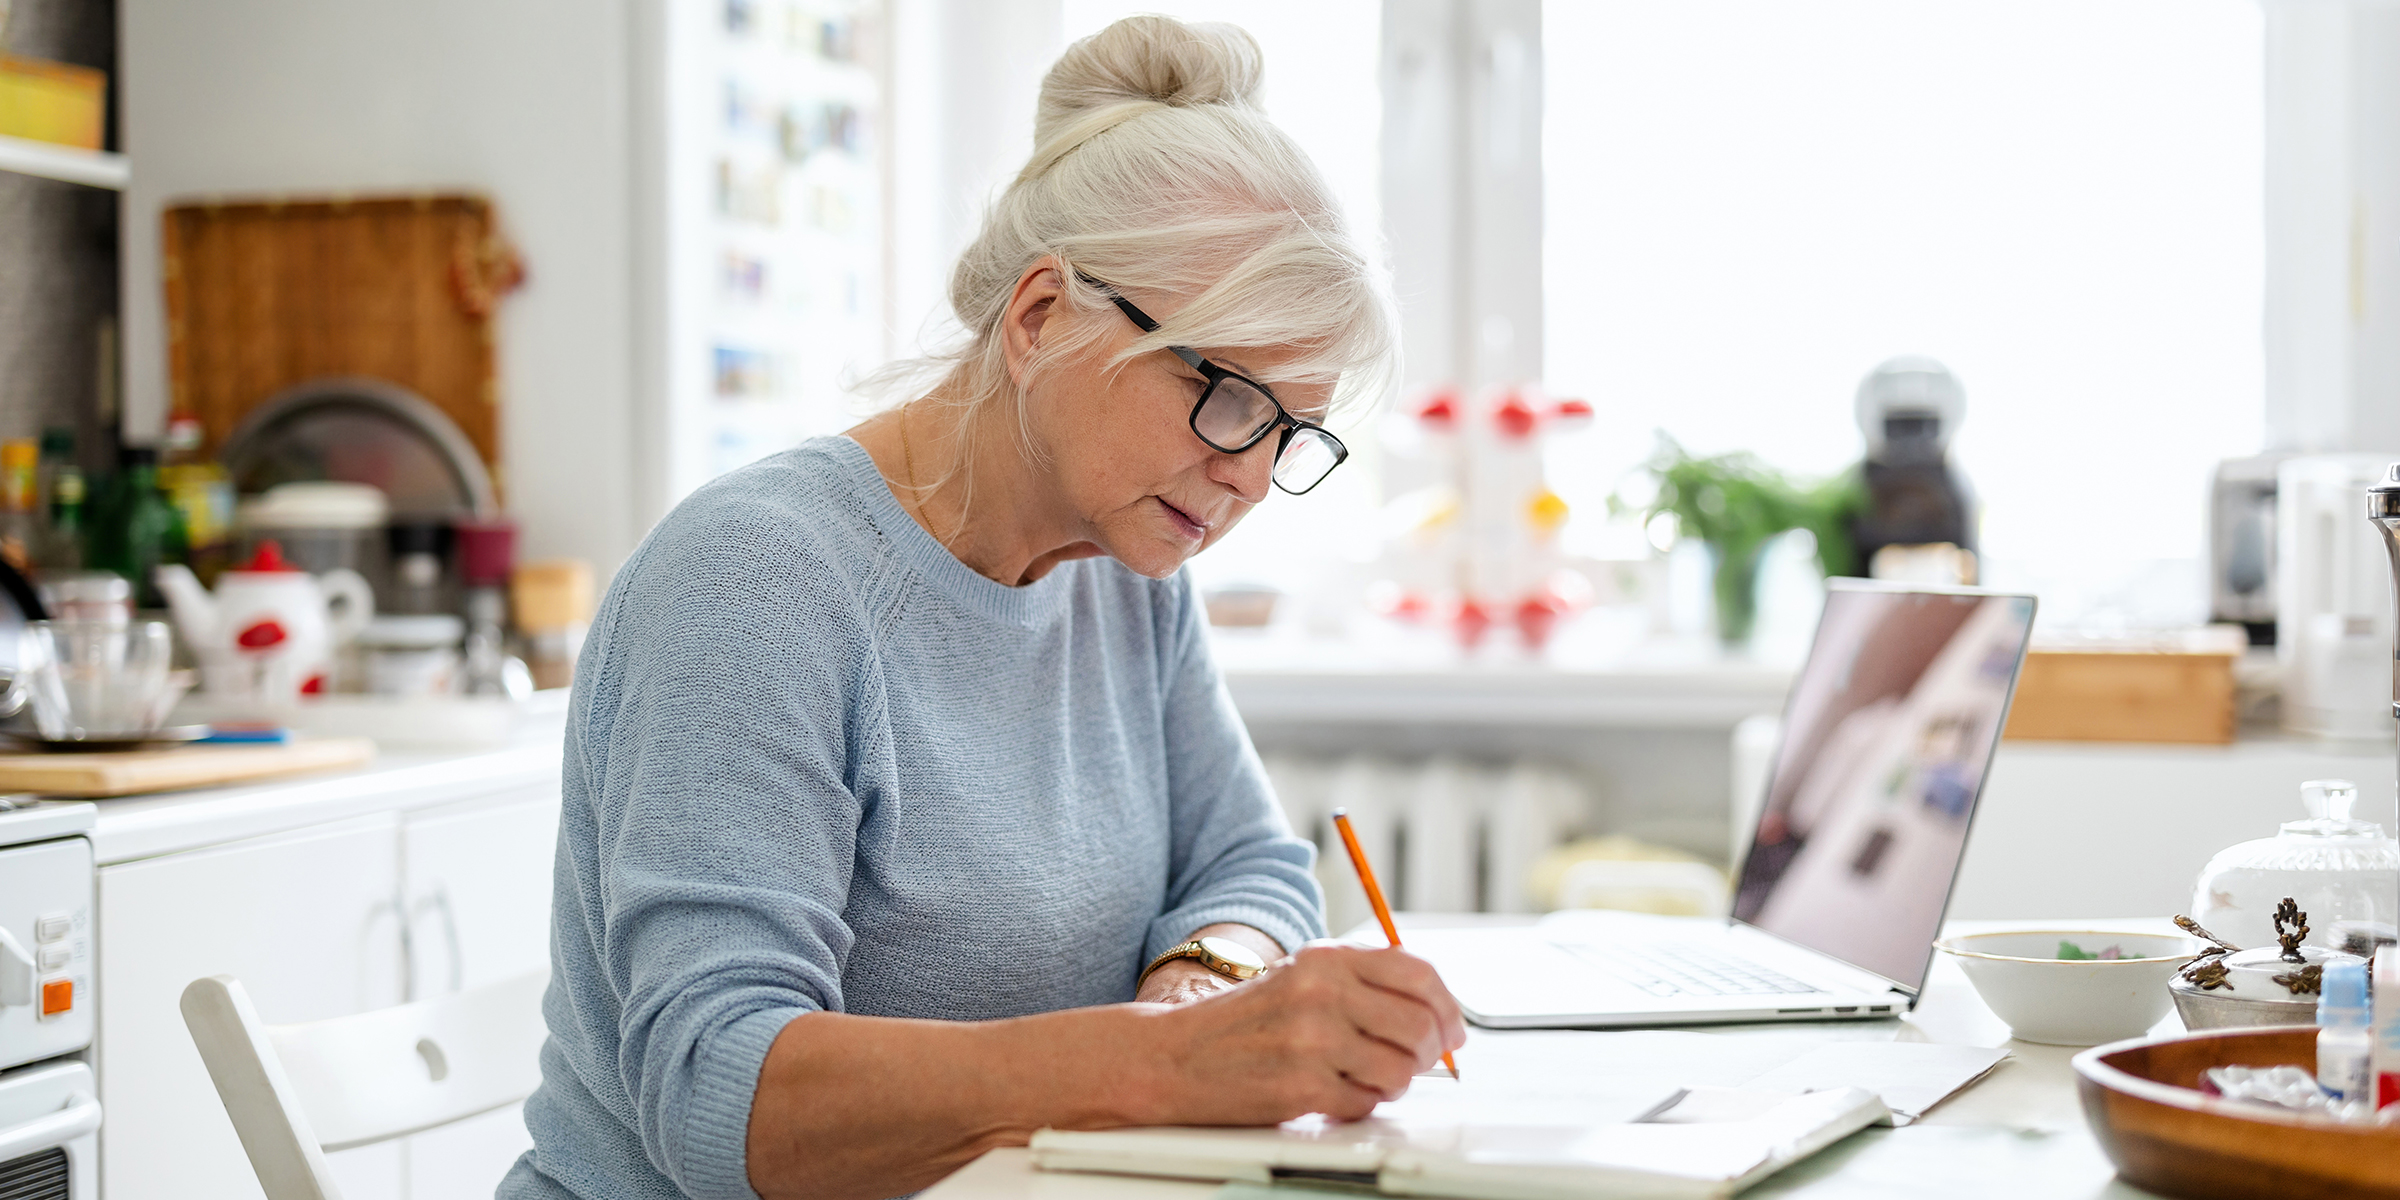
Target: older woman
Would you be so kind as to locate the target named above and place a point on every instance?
(904, 811)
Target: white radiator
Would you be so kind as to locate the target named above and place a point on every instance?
(1445, 834)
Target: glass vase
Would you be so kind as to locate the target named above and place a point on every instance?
(1734, 579)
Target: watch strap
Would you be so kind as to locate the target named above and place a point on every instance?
(1194, 949)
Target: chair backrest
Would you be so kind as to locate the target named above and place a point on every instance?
(296, 1091)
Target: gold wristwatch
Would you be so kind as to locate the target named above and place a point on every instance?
(1225, 956)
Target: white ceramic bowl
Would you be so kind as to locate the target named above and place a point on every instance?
(2072, 1002)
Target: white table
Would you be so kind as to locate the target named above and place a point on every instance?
(2018, 1134)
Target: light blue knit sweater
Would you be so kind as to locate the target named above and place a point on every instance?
(816, 763)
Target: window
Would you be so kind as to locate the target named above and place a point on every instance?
(1750, 203)
(1321, 88)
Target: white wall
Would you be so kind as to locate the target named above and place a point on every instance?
(2333, 225)
(527, 101)
(964, 77)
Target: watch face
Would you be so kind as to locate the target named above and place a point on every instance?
(1234, 952)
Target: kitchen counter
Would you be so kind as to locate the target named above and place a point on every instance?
(139, 827)
(1666, 683)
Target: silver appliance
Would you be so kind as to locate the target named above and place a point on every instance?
(2241, 545)
(49, 1110)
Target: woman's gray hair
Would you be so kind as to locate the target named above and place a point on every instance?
(1156, 171)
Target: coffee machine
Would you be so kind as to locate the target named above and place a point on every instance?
(1918, 522)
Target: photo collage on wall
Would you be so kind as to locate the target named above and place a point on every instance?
(797, 219)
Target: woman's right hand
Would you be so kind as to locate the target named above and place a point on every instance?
(1333, 1029)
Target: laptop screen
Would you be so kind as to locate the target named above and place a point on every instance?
(1887, 735)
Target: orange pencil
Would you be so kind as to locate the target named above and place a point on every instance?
(1366, 879)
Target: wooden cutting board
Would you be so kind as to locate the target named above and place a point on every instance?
(267, 294)
(134, 772)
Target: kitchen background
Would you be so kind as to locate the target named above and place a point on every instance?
(1648, 254)
(2137, 238)
(1702, 301)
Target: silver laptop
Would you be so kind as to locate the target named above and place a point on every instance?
(1888, 734)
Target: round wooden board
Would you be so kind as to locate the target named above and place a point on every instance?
(2142, 1101)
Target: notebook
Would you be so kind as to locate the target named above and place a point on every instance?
(1706, 1142)
(1653, 1113)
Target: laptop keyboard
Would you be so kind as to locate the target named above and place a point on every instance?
(1686, 970)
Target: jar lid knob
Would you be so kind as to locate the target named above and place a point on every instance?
(2329, 798)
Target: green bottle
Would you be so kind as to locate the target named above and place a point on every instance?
(60, 480)
(63, 542)
(137, 527)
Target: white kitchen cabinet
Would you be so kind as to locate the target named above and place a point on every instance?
(477, 881)
(331, 918)
(305, 920)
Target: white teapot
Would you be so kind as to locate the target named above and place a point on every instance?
(269, 631)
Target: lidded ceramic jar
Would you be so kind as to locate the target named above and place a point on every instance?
(2344, 873)
(2258, 986)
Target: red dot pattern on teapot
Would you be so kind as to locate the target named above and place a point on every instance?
(262, 635)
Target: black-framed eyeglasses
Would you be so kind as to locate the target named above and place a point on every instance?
(1236, 412)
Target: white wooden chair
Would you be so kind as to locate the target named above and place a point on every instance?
(297, 1091)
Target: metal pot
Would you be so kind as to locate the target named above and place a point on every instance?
(2222, 1010)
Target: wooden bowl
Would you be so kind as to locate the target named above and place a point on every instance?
(2143, 1102)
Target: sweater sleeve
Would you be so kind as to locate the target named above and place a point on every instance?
(1232, 856)
(726, 824)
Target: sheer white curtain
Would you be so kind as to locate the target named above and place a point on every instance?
(1751, 202)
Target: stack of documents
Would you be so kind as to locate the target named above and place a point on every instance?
(1546, 1115)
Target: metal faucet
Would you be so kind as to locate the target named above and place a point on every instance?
(2383, 508)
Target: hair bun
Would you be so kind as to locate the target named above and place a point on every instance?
(1152, 58)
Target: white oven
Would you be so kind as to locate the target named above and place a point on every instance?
(49, 1106)
(50, 1132)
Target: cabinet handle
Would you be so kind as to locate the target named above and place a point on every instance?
(81, 1116)
(439, 902)
(398, 911)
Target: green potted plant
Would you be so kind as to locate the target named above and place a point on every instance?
(1736, 504)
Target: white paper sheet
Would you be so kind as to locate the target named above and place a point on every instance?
(1911, 1077)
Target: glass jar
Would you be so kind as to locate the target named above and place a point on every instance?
(2343, 873)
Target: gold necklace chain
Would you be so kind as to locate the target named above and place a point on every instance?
(916, 498)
